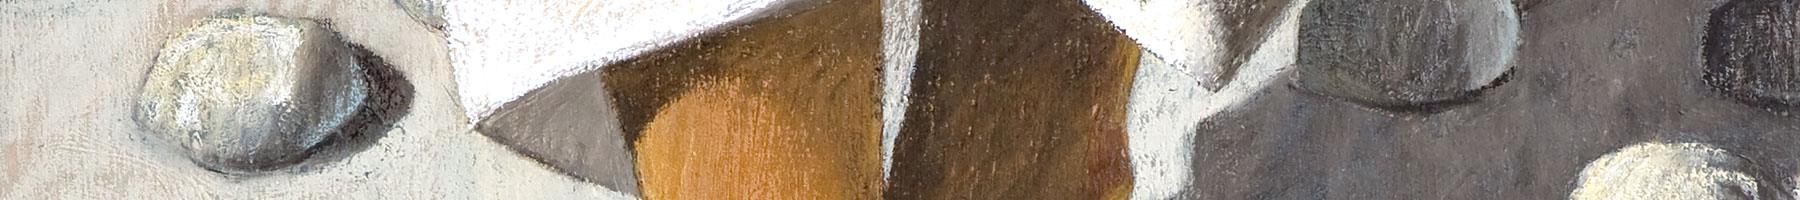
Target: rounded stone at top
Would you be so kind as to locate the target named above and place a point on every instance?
(1751, 55)
(243, 93)
(1407, 53)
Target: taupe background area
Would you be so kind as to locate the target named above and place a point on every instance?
(1592, 76)
(70, 70)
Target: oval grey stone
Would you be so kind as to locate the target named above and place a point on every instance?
(1408, 53)
(1750, 52)
(245, 93)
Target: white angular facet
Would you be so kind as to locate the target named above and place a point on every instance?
(1187, 34)
(1166, 106)
(502, 49)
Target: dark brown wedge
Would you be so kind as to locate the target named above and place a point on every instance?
(1016, 99)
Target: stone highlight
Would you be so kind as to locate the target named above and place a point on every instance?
(245, 93)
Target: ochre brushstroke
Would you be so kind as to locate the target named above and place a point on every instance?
(1016, 100)
(1113, 170)
(785, 108)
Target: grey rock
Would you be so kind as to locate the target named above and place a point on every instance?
(1408, 53)
(247, 93)
(1751, 55)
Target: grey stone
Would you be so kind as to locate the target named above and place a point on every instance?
(247, 93)
(1408, 53)
(1751, 55)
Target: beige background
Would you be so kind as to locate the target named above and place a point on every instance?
(69, 72)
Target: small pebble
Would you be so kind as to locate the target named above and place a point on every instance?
(245, 93)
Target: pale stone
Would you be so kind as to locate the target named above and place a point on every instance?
(1666, 171)
(246, 93)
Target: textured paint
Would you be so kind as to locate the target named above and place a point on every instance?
(245, 93)
(1166, 106)
(899, 48)
(1593, 76)
(724, 140)
(69, 71)
(1492, 55)
(1406, 56)
(782, 108)
(572, 126)
(1666, 171)
(1015, 100)
(1749, 49)
(1186, 34)
(502, 49)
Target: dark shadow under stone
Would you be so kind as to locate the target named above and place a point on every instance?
(389, 99)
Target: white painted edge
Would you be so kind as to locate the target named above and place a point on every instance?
(1166, 106)
(899, 47)
(502, 49)
(1185, 33)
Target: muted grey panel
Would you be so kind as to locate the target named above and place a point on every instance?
(571, 125)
